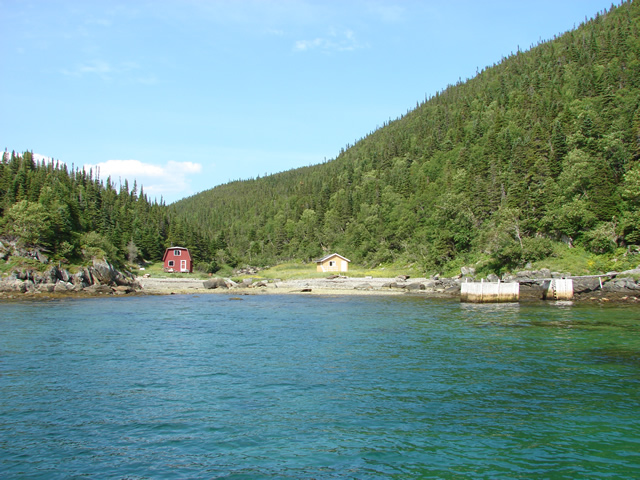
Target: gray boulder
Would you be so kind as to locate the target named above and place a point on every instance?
(22, 275)
(123, 289)
(213, 283)
(123, 279)
(620, 285)
(524, 274)
(492, 277)
(63, 287)
(431, 284)
(451, 290)
(64, 275)
(467, 271)
(20, 286)
(633, 271)
(52, 275)
(81, 279)
(98, 289)
(585, 285)
(47, 287)
(103, 272)
(12, 285)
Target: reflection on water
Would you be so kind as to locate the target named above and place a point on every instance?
(623, 356)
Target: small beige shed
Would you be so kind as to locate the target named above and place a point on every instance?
(333, 263)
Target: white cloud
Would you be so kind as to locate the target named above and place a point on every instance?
(128, 71)
(342, 41)
(170, 181)
(148, 80)
(188, 167)
(127, 168)
(276, 32)
(42, 158)
(96, 67)
(390, 13)
(102, 22)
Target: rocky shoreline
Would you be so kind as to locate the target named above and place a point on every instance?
(612, 286)
(99, 279)
(103, 279)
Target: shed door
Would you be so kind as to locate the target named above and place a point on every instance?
(183, 265)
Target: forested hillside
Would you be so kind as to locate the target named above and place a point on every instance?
(541, 148)
(53, 213)
(72, 216)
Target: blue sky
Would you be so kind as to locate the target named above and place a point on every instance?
(185, 95)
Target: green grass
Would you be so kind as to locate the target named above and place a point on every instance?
(575, 260)
(20, 263)
(578, 261)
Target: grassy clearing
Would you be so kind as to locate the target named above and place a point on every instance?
(578, 261)
(575, 261)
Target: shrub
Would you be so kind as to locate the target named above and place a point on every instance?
(94, 245)
(601, 239)
(513, 254)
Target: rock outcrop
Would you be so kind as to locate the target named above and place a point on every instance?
(216, 283)
(617, 283)
(100, 278)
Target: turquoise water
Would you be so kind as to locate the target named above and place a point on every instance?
(292, 387)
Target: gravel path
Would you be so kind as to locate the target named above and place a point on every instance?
(326, 286)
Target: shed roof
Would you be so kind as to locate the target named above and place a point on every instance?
(326, 257)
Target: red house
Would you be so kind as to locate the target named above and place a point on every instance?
(177, 259)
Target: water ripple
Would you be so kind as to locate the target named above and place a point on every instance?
(291, 387)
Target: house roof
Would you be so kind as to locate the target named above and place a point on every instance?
(326, 257)
(175, 248)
